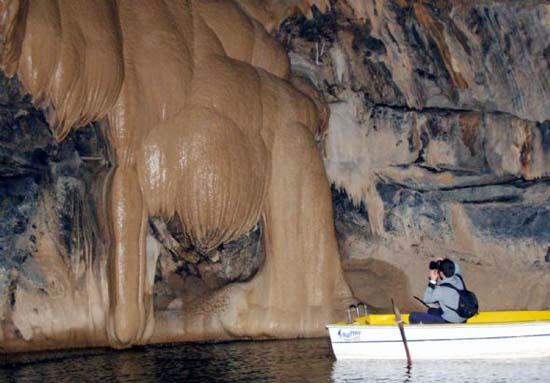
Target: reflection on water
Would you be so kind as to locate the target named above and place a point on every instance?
(448, 371)
(270, 361)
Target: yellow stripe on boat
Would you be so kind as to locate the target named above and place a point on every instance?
(482, 317)
(510, 316)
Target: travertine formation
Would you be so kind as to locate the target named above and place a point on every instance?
(205, 128)
(432, 118)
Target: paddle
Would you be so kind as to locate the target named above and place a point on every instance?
(421, 301)
(399, 322)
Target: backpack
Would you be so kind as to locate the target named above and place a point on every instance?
(467, 300)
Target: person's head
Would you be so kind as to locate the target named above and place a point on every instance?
(447, 268)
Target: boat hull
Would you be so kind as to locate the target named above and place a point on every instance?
(442, 341)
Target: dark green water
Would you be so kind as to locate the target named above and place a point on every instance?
(271, 361)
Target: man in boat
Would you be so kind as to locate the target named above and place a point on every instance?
(442, 272)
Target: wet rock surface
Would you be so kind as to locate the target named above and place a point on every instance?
(438, 145)
(52, 248)
(46, 197)
(185, 276)
(437, 142)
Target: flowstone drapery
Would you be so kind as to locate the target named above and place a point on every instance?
(203, 125)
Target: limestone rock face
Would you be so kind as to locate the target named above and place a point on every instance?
(438, 142)
(213, 219)
(51, 246)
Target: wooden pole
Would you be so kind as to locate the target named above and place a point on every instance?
(421, 301)
(399, 322)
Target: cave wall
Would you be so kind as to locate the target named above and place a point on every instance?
(51, 244)
(438, 142)
(53, 248)
(209, 215)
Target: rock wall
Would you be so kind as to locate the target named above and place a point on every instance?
(51, 245)
(213, 216)
(438, 142)
(53, 248)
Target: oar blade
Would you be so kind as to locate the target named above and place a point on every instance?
(399, 322)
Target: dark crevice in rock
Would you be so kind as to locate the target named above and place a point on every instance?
(48, 193)
(544, 128)
(502, 199)
(481, 181)
(176, 248)
(447, 110)
(349, 220)
(440, 169)
(342, 202)
(321, 27)
(185, 274)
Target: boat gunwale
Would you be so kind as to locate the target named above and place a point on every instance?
(442, 325)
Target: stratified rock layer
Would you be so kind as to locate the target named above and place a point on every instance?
(439, 139)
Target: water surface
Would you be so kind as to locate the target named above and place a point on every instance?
(308, 360)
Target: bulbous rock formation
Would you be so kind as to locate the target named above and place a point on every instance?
(204, 127)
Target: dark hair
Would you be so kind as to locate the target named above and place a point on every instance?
(447, 267)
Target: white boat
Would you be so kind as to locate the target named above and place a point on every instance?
(489, 335)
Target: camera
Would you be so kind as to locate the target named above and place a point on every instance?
(435, 265)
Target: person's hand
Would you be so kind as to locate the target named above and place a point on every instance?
(439, 259)
(433, 275)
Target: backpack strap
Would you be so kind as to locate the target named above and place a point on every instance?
(451, 286)
(462, 280)
(454, 288)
